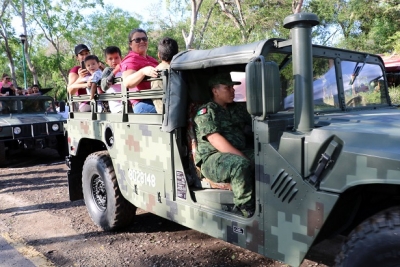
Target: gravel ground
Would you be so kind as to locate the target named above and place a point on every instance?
(35, 208)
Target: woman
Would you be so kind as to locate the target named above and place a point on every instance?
(135, 66)
(7, 88)
(77, 77)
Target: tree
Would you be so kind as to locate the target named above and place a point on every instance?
(6, 33)
(108, 27)
(364, 25)
(296, 6)
(196, 4)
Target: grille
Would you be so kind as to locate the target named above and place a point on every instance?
(26, 131)
(40, 129)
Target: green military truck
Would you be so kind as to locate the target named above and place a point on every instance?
(30, 122)
(326, 140)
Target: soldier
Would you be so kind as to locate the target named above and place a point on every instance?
(222, 153)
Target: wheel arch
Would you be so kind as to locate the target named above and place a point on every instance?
(85, 147)
(357, 204)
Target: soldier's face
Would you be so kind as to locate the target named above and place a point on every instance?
(224, 93)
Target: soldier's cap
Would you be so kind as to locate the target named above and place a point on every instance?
(80, 47)
(222, 78)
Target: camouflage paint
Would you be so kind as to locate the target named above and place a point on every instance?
(290, 211)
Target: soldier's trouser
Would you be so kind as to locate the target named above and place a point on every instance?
(234, 169)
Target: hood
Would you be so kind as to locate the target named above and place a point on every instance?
(375, 132)
(17, 119)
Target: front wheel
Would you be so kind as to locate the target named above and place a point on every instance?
(104, 201)
(375, 242)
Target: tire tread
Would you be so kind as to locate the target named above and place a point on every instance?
(124, 210)
(388, 219)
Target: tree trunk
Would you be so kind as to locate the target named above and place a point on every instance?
(196, 4)
(296, 6)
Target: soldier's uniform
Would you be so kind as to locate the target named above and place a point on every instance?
(226, 167)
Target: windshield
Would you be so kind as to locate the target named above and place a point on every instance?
(361, 83)
(324, 82)
(26, 105)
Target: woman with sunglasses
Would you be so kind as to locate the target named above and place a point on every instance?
(7, 88)
(136, 66)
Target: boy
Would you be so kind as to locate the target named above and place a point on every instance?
(113, 59)
(35, 90)
(92, 64)
(167, 48)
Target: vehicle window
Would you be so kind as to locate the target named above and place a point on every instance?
(8, 106)
(324, 82)
(362, 83)
(36, 105)
(240, 90)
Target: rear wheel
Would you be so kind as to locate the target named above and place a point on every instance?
(373, 243)
(104, 201)
(2, 153)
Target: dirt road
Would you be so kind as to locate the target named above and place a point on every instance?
(37, 218)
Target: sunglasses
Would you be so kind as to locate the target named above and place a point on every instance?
(137, 40)
(8, 78)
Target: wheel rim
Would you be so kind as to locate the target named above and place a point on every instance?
(99, 192)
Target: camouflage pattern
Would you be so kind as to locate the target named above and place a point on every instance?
(225, 167)
(233, 169)
(292, 213)
(230, 123)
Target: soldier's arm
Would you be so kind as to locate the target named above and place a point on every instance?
(223, 145)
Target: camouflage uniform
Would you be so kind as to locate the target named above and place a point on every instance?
(226, 167)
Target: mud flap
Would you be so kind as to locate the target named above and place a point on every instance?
(74, 175)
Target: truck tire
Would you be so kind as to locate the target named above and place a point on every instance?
(375, 242)
(62, 146)
(2, 153)
(104, 201)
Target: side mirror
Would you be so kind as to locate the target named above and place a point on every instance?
(263, 87)
(62, 106)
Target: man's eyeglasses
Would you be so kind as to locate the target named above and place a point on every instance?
(8, 79)
(137, 40)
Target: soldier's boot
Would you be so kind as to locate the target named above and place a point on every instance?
(244, 210)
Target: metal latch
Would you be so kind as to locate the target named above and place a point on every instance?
(323, 163)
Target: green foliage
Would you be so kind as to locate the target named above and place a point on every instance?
(394, 93)
(55, 27)
(105, 28)
(363, 25)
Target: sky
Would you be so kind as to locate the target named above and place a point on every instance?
(134, 6)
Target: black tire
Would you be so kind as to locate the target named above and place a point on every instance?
(2, 153)
(104, 201)
(62, 146)
(374, 243)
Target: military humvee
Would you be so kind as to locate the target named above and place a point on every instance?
(30, 122)
(326, 140)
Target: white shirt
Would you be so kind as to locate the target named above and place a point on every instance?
(65, 113)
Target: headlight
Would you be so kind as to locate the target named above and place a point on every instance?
(17, 130)
(55, 127)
